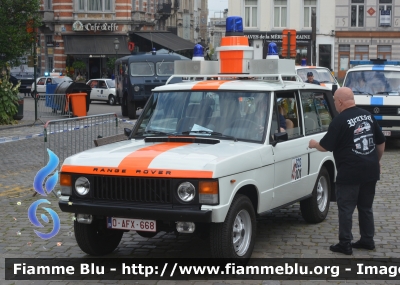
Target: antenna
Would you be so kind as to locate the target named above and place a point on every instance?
(151, 39)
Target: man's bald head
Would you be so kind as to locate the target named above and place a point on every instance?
(344, 99)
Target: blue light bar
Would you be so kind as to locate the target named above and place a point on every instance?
(46, 74)
(374, 62)
(272, 51)
(234, 26)
(303, 62)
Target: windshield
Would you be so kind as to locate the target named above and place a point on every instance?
(142, 68)
(165, 68)
(110, 83)
(373, 82)
(323, 75)
(230, 115)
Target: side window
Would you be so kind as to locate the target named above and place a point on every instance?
(288, 115)
(317, 115)
(142, 69)
(41, 81)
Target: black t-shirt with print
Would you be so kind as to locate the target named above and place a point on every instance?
(352, 137)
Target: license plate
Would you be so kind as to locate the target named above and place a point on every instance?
(131, 224)
(387, 133)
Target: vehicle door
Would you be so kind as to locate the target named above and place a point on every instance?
(317, 115)
(41, 85)
(94, 94)
(290, 157)
(102, 90)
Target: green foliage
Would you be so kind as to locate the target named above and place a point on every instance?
(79, 65)
(111, 63)
(8, 100)
(15, 40)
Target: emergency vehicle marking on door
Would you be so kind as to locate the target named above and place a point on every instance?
(296, 168)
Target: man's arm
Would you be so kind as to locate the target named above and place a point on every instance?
(315, 144)
(380, 148)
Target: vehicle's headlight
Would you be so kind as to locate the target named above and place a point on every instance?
(136, 88)
(82, 185)
(186, 191)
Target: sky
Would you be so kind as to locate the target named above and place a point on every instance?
(215, 6)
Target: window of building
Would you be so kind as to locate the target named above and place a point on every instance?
(50, 63)
(308, 6)
(49, 39)
(48, 4)
(385, 13)
(94, 5)
(357, 13)
(280, 13)
(250, 13)
(344, 60)
(385, 52)
(361, 52)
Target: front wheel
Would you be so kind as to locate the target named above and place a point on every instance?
(111, 100)
(315, 209)
(235, 237)
(95, 238)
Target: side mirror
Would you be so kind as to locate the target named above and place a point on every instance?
(127, 132)
(280, 137)
(334, 88)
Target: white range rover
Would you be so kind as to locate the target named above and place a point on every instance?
(204, 156)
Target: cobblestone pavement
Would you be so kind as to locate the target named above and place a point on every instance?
(283, 234)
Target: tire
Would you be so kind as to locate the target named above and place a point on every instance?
(111, 100)
(147, 234)
(315, 209)
(124, 107)
(131, 110)
(95, 238)
(235, 237)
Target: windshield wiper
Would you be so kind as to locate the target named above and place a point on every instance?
(210, 133)
(362, 92)
(158, 133)
(389, 92)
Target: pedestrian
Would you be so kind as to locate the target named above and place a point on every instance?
(357, 143)
(310, 78)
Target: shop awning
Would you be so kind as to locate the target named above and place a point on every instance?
(94, 45)
(168, 40)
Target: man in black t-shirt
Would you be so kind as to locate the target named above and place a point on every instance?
(357, 143)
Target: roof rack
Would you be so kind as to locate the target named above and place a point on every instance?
(377, 61)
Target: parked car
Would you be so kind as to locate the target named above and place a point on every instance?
(102, 90)
(42, 82)
(26, 81)
(321, 74)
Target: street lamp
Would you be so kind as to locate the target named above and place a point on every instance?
(116, 47)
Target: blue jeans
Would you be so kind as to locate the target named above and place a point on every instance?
(350, 196)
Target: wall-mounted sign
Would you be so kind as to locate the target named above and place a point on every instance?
(78, 26)
(385, 17)
(276, 37)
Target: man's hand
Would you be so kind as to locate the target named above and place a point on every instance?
(312, 144)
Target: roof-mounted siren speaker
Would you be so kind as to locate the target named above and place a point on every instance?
(272, 51)
(198, 53)
(234, 54)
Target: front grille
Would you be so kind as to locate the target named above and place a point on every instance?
(148, 88)
(132, 189)
(382, 110)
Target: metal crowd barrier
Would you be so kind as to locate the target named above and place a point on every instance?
(52, 105)
(66, 137)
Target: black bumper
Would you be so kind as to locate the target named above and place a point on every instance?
(137, 212)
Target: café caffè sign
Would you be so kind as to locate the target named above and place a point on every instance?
(78, 26)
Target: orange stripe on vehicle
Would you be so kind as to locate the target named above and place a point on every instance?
(231, 61)
(209, 85)
(144, 156)
(322, 84)
(136, 172)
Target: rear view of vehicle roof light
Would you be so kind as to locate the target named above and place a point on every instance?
(303, 62)
(234, 26)
(272, 51)
(198, 53)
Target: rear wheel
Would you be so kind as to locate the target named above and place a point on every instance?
(131, 110)
(235, 237)
(95, 238)
(315, 209)
(111, 100)
(124, 106)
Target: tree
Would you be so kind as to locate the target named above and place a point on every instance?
(19, 19)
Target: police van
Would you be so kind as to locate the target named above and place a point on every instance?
(376, 88)
(209, 155)
(137, 75)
